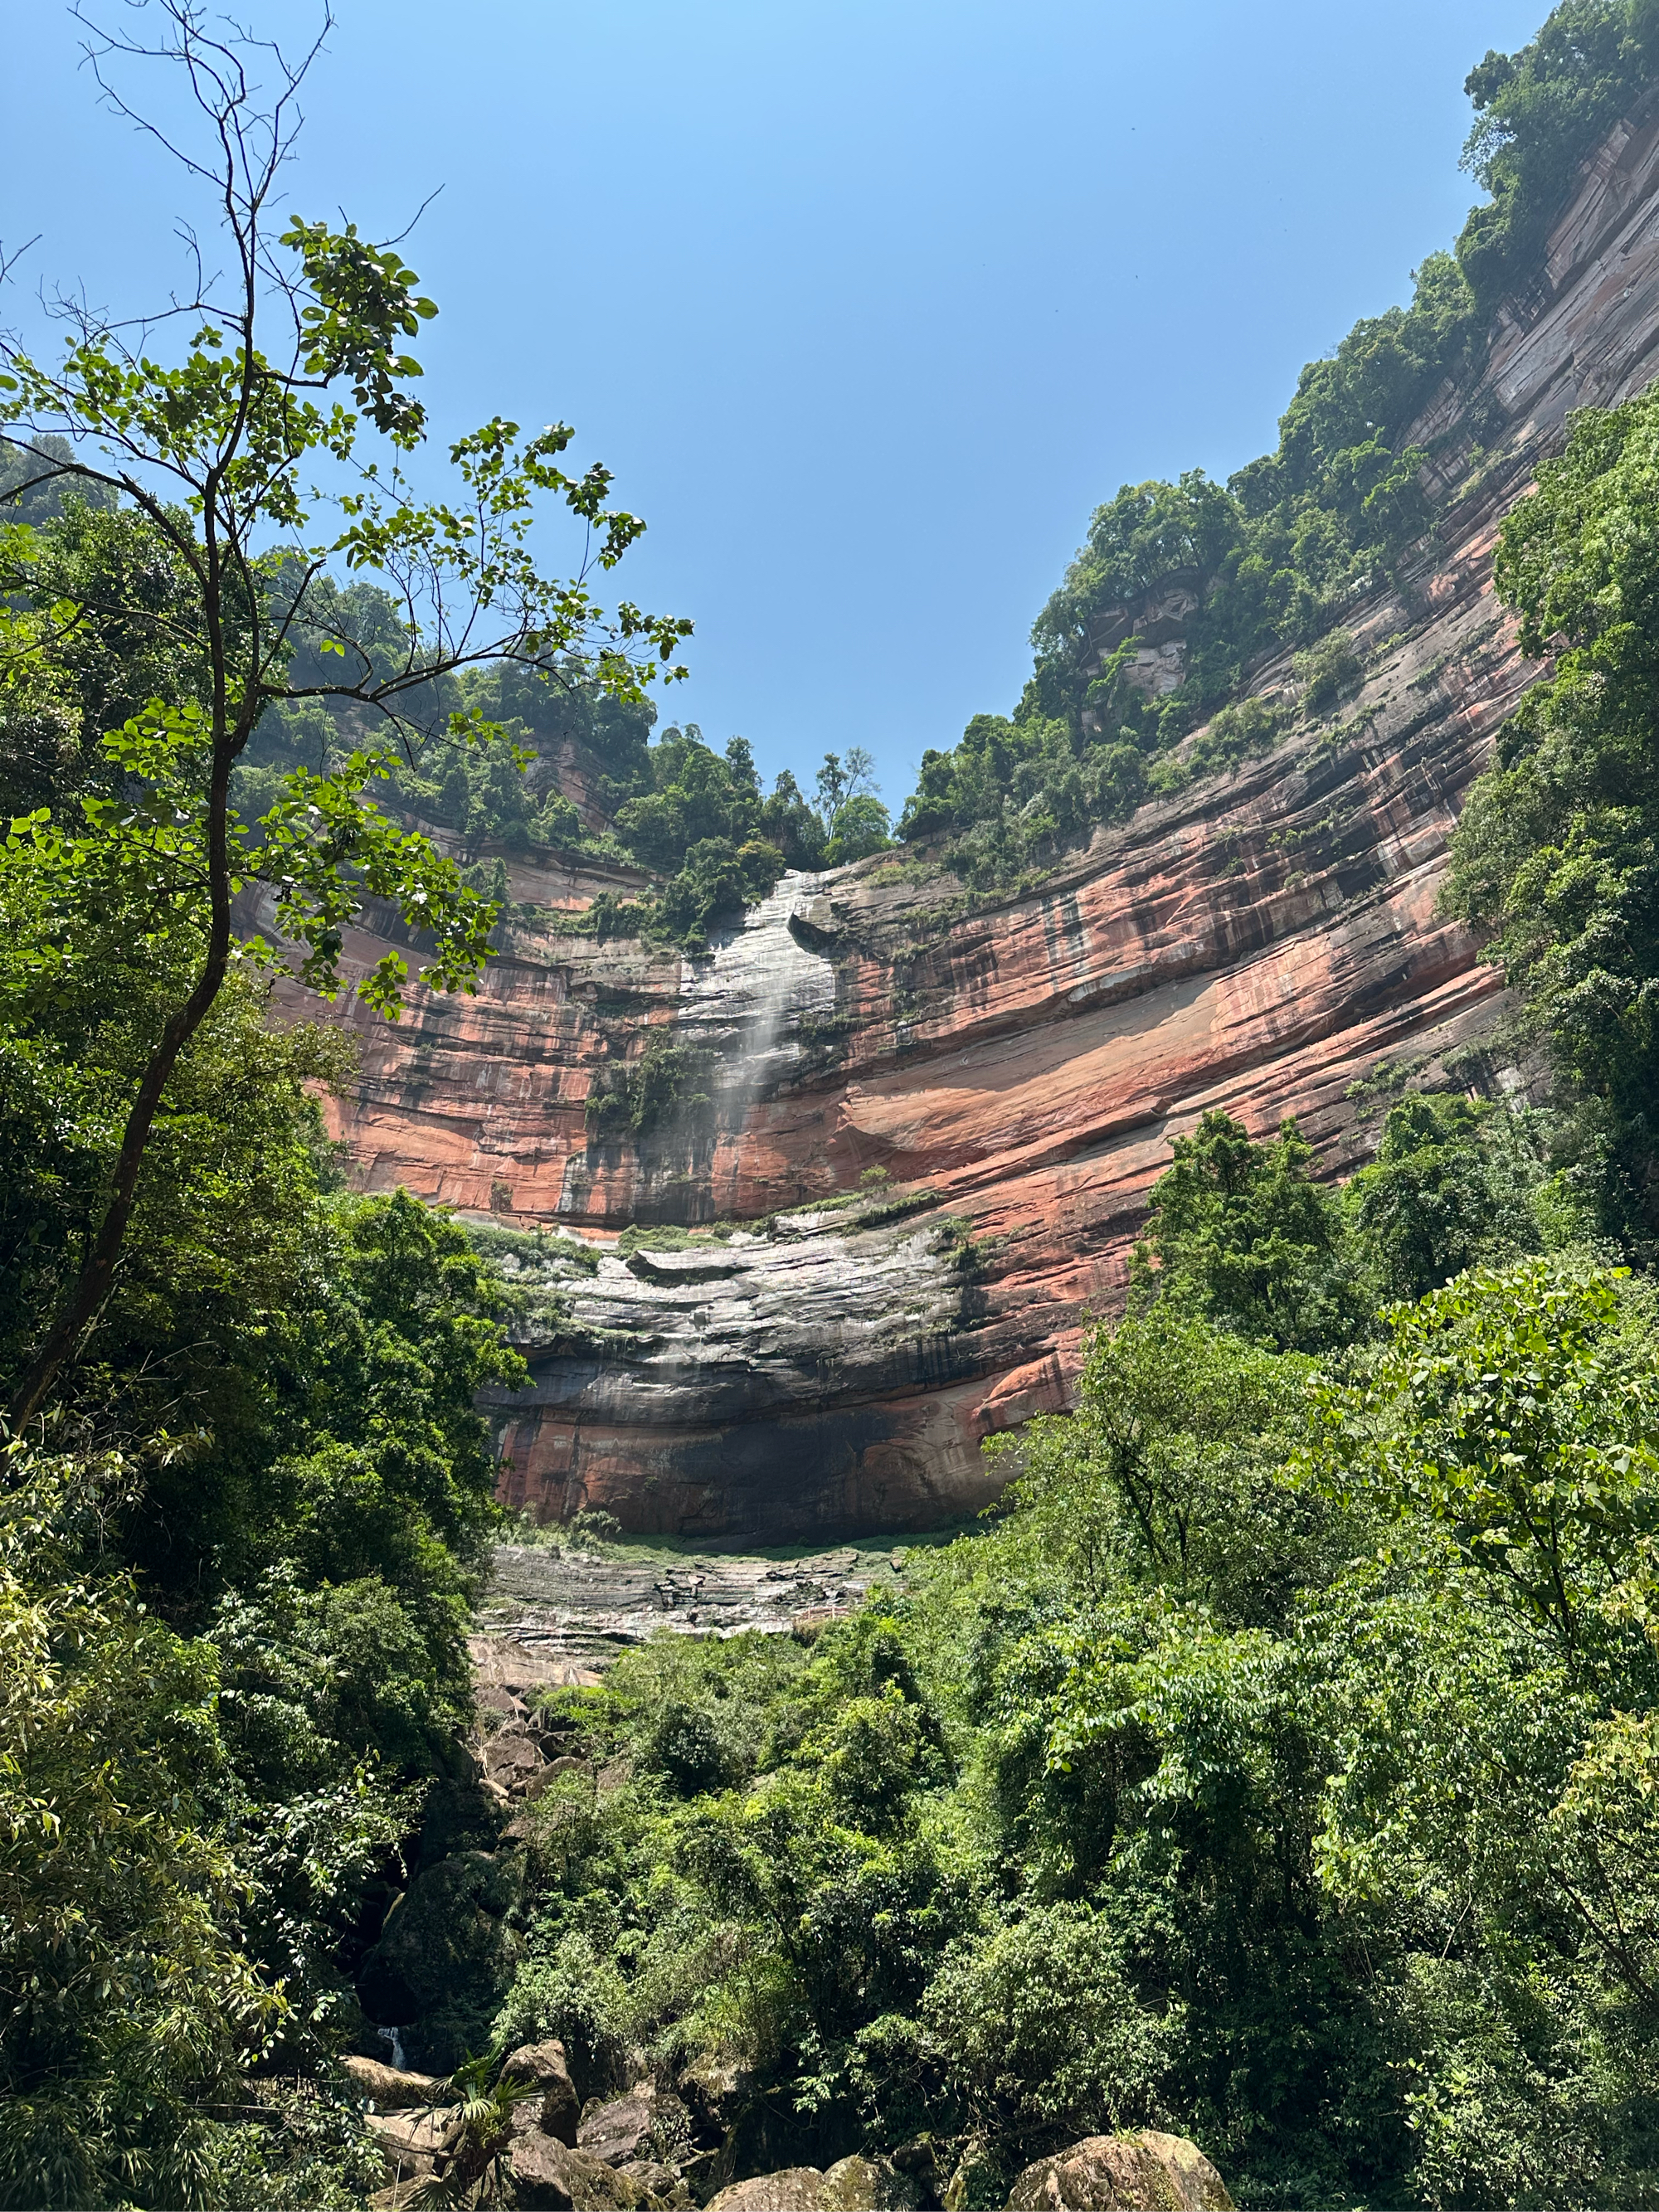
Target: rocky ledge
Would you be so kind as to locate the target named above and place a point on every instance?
(556, 1617)
(710, 1372)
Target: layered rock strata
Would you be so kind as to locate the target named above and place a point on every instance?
(1260, 943)
(555, 1616)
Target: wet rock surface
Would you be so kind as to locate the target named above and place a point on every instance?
(752, 1322)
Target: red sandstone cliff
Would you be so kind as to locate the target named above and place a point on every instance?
(1259, 944)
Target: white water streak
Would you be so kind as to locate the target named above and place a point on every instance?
(745, 999)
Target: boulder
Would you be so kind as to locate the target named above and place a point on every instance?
(645, 2124)
(664, 2184)
(715, 2092)
(521, 1669)
(868, 2185)
(796, 2189)
(548, 2176)
(512, 1758)
(411, 2141)
(445, 1955)
(543, 2063)
(392, 2090)
(1143, 2172)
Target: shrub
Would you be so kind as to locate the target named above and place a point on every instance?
(1327, 671)
(1045, 2029)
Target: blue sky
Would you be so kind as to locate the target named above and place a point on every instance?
(866, 302)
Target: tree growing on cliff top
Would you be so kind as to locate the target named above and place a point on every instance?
(295, 359)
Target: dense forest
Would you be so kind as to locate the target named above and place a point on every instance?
(1276, 1768)
(1276, 1765)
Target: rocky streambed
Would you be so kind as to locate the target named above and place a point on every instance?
(555, 1615)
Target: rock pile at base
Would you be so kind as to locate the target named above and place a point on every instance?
(653, 2149)
(851, 2185)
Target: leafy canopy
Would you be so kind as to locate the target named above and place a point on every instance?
(213, 448)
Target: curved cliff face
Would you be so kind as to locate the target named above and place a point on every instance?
(1258, 943)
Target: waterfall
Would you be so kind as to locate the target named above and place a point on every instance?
(745, 999)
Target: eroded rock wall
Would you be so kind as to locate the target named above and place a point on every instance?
(1258, 943)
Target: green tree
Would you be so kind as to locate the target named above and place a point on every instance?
(787, 822)
(113, 622)
(1487, 1686)
(390, 1468)
(125, 1999)
(1538, 113)
(215, 452)
(1049, 2033)
(860, 826)
(1517, 1412)
(1179, 1431)
(1453, 1183)
(696, 796)
(1240, 1233)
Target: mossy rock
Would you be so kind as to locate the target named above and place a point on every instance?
(1143, 2172)
(445, 1956)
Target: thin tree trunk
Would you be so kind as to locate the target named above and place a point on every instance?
(97, 1275)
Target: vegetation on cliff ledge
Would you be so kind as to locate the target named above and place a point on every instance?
(1273, 558)
(1556, 851)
